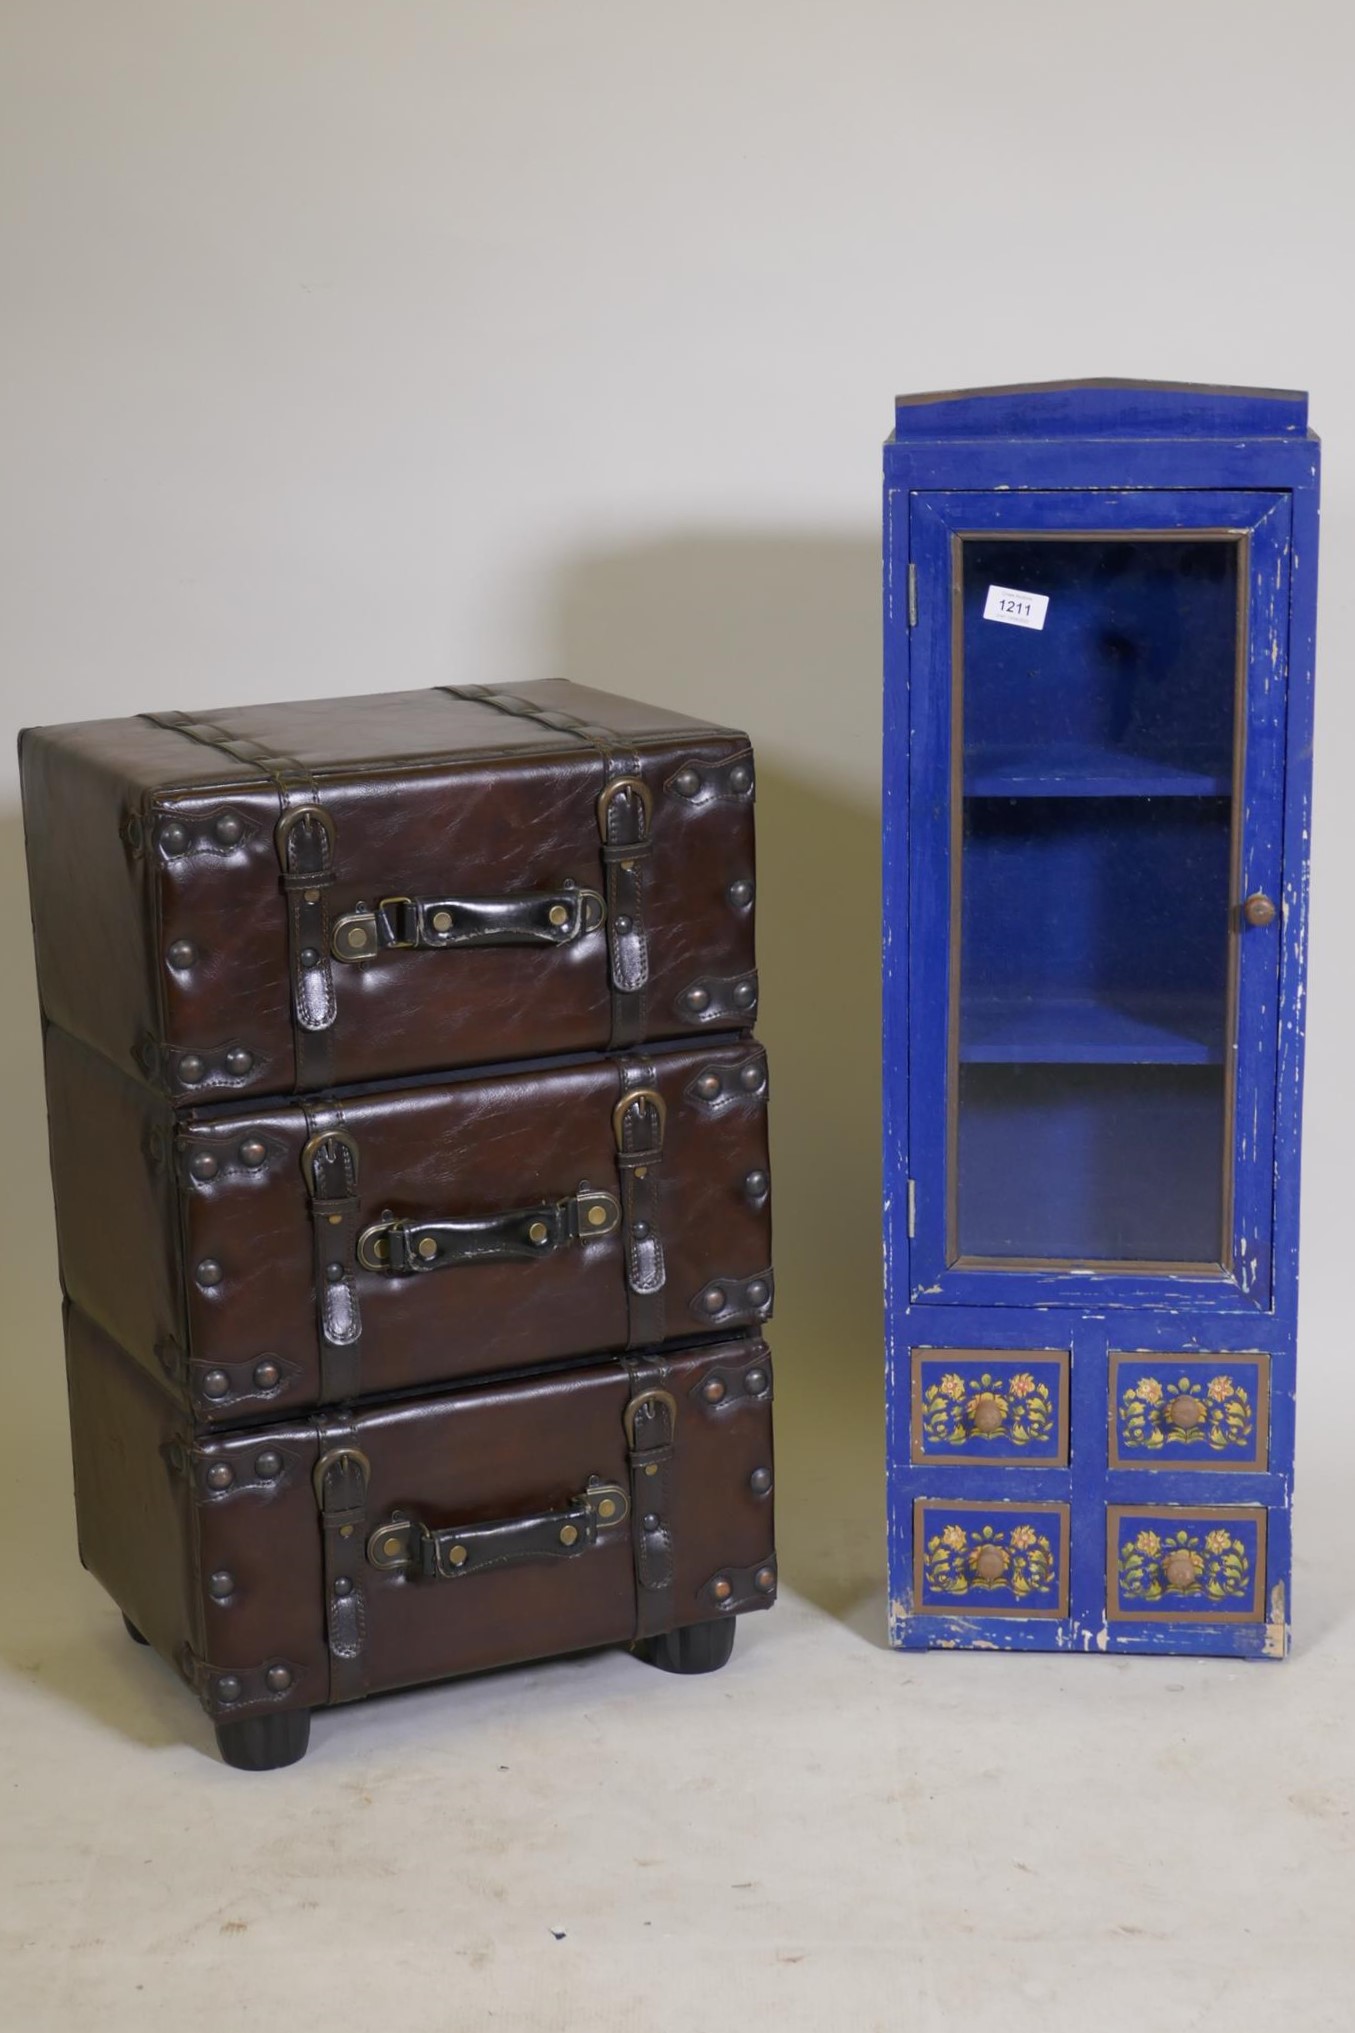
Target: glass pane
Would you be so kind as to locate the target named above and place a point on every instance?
(1094, 814)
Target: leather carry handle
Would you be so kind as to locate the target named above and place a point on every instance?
(405, 1545)
(409, 1247)
(400, 924)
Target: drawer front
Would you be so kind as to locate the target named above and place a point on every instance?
(1183, 1411)
(990, 1559)
(978, 1405)
(1185, 1564)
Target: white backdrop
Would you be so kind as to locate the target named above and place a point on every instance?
(362, 345)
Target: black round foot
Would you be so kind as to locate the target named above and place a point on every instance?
(261, 1743)
(133, 1633)
(696, 1648)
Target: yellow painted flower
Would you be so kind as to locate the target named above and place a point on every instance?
(1022, 1385)
(1149, 1390)
(951, 1386)
(1022, 1537)
(1218, 1542)
(1148, 1542)
(1220, 1388)
(953, 1536)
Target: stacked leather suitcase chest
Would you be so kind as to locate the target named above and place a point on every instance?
(409, 1145)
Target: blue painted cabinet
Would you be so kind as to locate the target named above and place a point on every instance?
(1099, 611)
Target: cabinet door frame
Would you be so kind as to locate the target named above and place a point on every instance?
(935, 520)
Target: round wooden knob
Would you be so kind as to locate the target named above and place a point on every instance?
(987, 1416)
(1178, 1569)
(1185, 1413)
(991, 1563)
(1258, 909)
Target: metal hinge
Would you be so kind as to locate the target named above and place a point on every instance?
(912, 1209)
(912, 596)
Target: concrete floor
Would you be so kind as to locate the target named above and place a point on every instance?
(826, 1834)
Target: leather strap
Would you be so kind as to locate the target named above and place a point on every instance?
(403, 923)
(330, 1166)
(638, 1120)
(651, 1437)
(406, 1545)
(340, 1478)
(411, 1247)
(623, 822)
(305, 847)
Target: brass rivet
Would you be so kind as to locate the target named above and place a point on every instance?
(221, 1584)
(312, 896)
(228, 1688)
(174, 837)
(267, 1464)
(697, 999)
(381, 1249)
(712, 1390)
(596, 1216)
(538, 1232)
(744, 994)
(652, 1468)
(220, 1475)
(209, 1272)
(458, 1556)
(740, 894)
(740, 777)
(266, 1374)
(392, 1548)
(713, 1300)
(238, 1060)
(642, 1172)
(558, 915)
(427, 1248)
(279, 1679)
(203, 1165)
(568, 1534)
(755, 1381)
(765, 1579)
(215, 1384)
(228, 829)
(442, 921)
(182, 954)
(708, 1086)
(191, 1068)
(345, 1531)
(253, 1153)
(755, 1185)
(686, 783)
(756, 1292)
(607, 1508)
(752, 1076)
(760, 1481)
(334, 1219)
(358, 936)
(722, 1589)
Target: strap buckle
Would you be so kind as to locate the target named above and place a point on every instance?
(633, 786)
(637, 1095)
(329, 1460)
(312, 1152)
(648, 1397)
(289, 821)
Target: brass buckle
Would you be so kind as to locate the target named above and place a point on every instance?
(327, 1461)
(354, 936)
(327, 1136)
(374, 1250)
(607, 1501)
(290, 820)
(390, 1546)
(592, 912)
(638, 1094)
(645, 1398)
(599, 1214)
(637, 788)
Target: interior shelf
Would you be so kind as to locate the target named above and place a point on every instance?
(1076, 1031)
(1086, 770)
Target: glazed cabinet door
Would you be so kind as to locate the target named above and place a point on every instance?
(1096, 743)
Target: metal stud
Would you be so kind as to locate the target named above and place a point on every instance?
(708, 1086)
(221, 1584)
(458, 1556)
(215, 1384)
(181, 954)
(538, 1232)
(343, 1584)
(173, 837)
(203, 1165)
(442, 921)
(712, 1390)
(722, 1589)
(427, 1248)
(191, 1068)
(268, 1464)
(740, 777)
(640, 1230)
(753, 1077)
(697, 999)
(755, 1382)
(252, 1153)
(597, 1217)
(755, 1185)
(238, 1060)
(220, 1475)
(228, 1688)
(740, 894)
(760, 1481)
(651, 1521)
(713, 1299)
(744, 994)
(309, 957)
(623, 925)
(334, 1272)
(266, 1375)
(686, 783)
(765, 1579)
(568, 1534)
(228, 829)
(756, 1292)
(279, 1679)
(208, 1273)
(558, 915)
(607, 1508)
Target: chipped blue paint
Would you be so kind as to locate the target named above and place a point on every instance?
(1099, 456)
